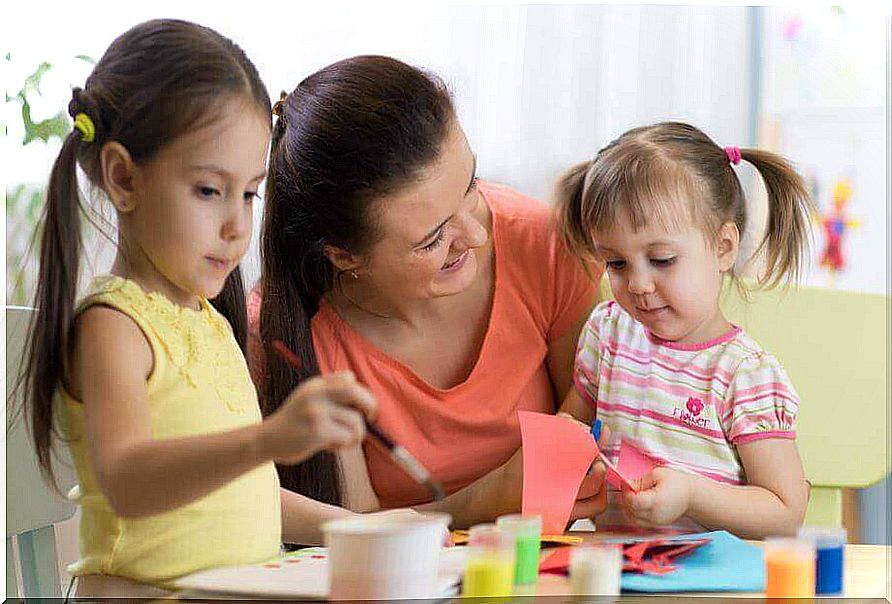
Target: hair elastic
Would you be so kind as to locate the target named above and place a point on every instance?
(83, 123)
(279, 106)
(733, 154)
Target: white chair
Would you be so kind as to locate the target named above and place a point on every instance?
(32, 506)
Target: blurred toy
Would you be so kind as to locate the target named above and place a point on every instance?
(836, 223)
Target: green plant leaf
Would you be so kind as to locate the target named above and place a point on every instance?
(86, 58)
(32, 82)
(54, 127)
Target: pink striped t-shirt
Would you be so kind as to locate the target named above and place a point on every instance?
(685, 406)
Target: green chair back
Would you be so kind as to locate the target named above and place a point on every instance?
(32, 506)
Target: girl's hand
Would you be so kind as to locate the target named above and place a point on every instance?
(664, 496)
(324, 412)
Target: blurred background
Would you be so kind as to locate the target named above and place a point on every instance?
(538, 88)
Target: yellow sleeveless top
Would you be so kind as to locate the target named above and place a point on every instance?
(199, 384)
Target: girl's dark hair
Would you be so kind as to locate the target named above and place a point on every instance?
(347, 136)
(646, 167)
(156, 82)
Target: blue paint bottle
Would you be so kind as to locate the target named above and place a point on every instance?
(830, 558)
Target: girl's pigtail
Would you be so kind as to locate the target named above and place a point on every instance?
(49, 337)
(568, 209)
(787, 235)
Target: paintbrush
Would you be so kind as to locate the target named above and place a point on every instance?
(397, 453)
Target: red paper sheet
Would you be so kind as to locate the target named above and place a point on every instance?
(556, 457)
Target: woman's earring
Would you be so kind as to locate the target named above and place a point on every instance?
(354, 274)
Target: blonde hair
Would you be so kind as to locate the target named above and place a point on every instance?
(671, 171)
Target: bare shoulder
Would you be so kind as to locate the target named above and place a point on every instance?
(108, 338)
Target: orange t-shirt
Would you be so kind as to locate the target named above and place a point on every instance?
(464, 432)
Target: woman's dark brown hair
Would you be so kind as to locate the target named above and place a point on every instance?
(347, 136)
(156, 82)
(677, 163)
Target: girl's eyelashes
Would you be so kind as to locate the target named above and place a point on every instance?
(206, 192)
(618, 265)
(250, 196)
(663, 262)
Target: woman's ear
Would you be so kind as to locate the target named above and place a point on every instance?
(341, 259)
(728, 246)
(118, 171)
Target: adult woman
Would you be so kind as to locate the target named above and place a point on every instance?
(452, 300)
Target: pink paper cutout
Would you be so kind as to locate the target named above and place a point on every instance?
(632, 463)
(556, 457)
(615, 478)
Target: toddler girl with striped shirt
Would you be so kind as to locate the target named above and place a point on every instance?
(661, 365)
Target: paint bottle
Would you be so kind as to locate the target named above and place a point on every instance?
(829, 557)
(527, 532)
(789, 568)
(596, 569)
(489, 568)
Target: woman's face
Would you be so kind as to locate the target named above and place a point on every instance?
(431, 231)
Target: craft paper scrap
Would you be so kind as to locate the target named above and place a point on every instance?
(632, 463)
(556, 457)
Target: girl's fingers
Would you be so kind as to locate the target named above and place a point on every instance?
(341, 388)
(352, 394)
(349, 420)
(605, 435)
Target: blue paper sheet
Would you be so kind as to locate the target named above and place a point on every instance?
(725, 564)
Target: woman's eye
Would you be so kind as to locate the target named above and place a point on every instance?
(616, 265)
(250, 196)
(207, 191)
(663, 261)
(433, 244)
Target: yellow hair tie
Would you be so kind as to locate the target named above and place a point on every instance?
(83, 123)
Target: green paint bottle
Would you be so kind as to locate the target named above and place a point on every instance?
(527, 531)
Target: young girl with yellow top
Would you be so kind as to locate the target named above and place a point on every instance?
(145, 376)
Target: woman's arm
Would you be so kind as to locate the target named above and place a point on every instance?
(561, 356)
(773, 503)
(302, 518)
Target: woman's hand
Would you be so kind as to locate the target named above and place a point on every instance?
(324, 412)
(663, 497)
(591, 499)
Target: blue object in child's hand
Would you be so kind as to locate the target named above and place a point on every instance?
(596, 429)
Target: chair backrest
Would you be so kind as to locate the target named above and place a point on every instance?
(832, 344)
(32, 506)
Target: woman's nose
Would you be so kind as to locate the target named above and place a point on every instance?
(473, 234)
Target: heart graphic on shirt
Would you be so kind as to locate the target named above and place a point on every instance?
(695, 406)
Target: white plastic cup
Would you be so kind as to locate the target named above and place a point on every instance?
(384, 556)
(596, 569)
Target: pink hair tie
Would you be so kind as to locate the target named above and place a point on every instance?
(733, 154)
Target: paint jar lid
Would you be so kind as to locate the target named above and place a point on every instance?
(490, 537)
(521, 525)
(824, 536)
(596, 555)
(789, 546)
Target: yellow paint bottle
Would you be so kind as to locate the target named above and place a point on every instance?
(489, 570)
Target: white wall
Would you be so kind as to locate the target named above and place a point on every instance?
(537, 87)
